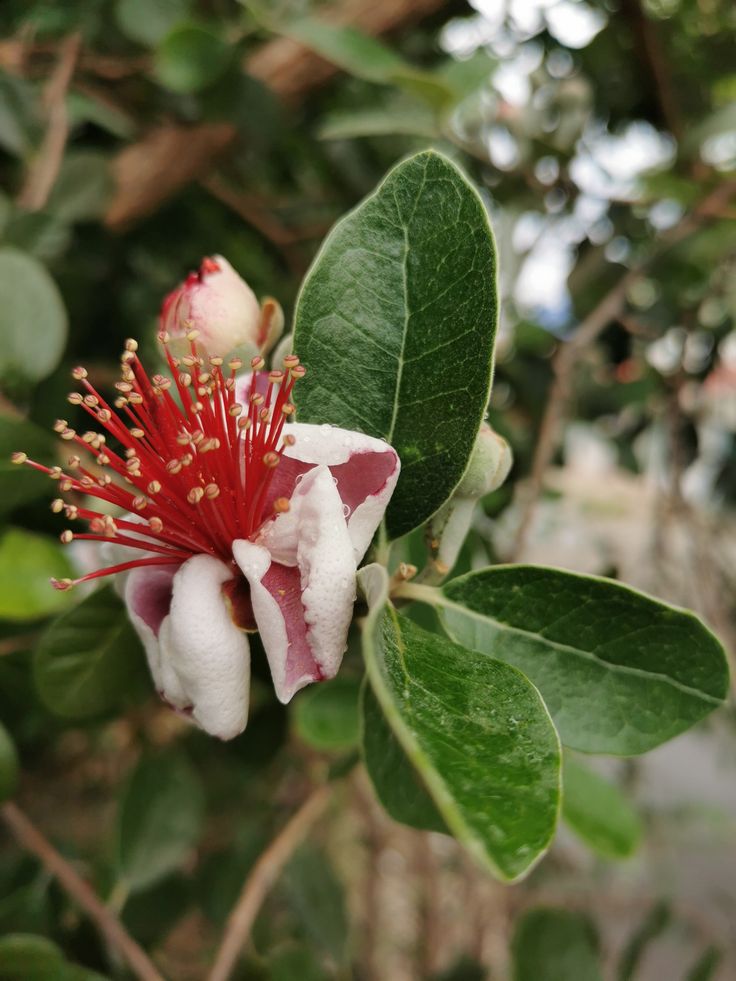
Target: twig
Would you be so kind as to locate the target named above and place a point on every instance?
(45, 168)
(81, 892)
(265, 873)
(588, 331)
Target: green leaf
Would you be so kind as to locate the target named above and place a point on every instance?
(400, 119)
(555, 945)
(598, 812)
(8, 765)
(27, 561)
(620, 672)
(19, 485)
(326, 715)
(397, 784)
(33, 321)
(159, 819)
(654, 923)
(26, 957)
(190, 58)
(89, 661)
(316, 894)
(365, 57)
(83, 187)
(392, 348)
(476, 731)
(149, 21)
(705, 967)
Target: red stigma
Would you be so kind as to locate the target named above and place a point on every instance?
(194, 469)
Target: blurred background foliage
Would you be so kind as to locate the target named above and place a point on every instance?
(137, 136)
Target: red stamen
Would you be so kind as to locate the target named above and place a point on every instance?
(197, 472)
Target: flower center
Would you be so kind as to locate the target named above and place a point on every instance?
(195, 471)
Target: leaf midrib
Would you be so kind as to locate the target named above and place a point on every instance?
(445, 603)
(407, 314)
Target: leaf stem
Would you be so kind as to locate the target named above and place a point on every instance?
(261, 879)
(417, 591)
(80, 891)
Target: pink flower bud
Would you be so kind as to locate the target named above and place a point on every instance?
(218, 304)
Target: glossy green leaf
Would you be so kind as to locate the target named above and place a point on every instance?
(149, 21)
(620, 672)
(33, 321)
(326, 715)
(19, 485)
(8, 765)
(190, 58)
(27, 561)
(397, 784)
(392, 348)
(598, 812)
(476, 731)
(159, 819)
(89, 661)
(555, 945)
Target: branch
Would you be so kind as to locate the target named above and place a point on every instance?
(81, 892)
(47, 162)
(261, 879)
(589, 329)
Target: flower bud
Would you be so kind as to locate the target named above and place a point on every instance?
(220, 306)
(489, 466)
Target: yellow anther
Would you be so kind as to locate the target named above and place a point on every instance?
(140, 502)
(66, 537)
(235, 364)
(79, 373)
(57, 505)
(60, 425)
(212, 491)
(257, 363)
(281, 505)
(18, 458)
(62, 584)
(156, 525)
(271, 459)
(154, 487)
(131, 344)
(195, 495)
(235, 409)
(291, 361)
(74, 398)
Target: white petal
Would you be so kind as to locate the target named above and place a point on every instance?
(203, 650)
(327, 565)
(271, 615)
(304, 613)
(148, 599)
(334, 447)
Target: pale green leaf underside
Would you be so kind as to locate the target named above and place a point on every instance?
(396, 324)
(619, 671)
(476, 731)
